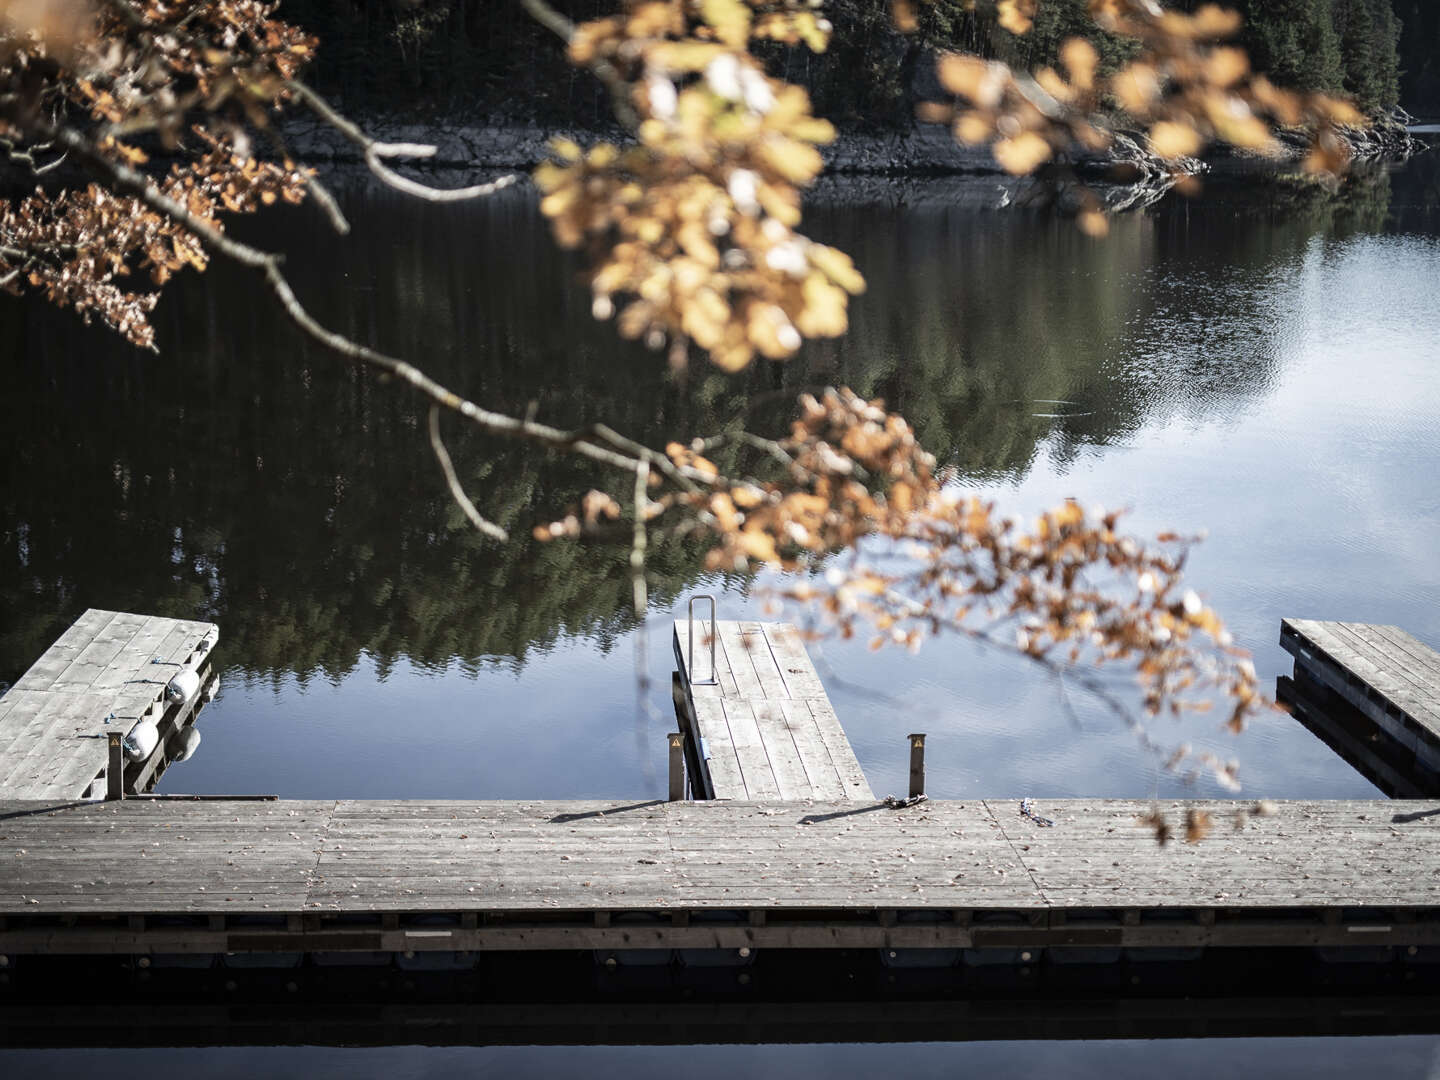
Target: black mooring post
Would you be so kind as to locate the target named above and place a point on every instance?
(115, 770)
(677, 766)
(917, 765)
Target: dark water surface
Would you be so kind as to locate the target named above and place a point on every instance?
(1266, 367)
(1180, 1059)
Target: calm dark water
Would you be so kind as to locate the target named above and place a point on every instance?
(1180, 1059)
(1265, 367)
(1262, 365)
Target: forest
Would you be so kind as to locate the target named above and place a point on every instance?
(489, 62)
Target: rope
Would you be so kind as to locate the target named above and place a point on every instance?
(1027, 809)
(900, 804)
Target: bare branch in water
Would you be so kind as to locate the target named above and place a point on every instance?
(457, 492)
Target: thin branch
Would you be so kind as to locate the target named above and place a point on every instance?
(374, 151)
(318, 191)
(126, 179)
(639, 593)
(489, 528)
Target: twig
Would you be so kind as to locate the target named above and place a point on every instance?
(638, 544)
(374, 151)
(457, 492)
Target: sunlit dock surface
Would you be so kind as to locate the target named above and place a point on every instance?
(759, 720)
(815, 864)
(143, 877)
(108, 673)
(1371, 693)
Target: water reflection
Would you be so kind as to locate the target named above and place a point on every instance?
(242, 478)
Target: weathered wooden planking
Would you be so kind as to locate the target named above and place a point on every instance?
(101, 675)
(540, 875)
(767, 730)
(1386, 674)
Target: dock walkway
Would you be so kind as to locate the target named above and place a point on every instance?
(1389, 678)
(108, 671)
(765, 727)
(139, 876)
(785, 848)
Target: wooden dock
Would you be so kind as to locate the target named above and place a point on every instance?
(143, 877)
(785, 849)
(758, 716)
(1373, 693)
(107, 672)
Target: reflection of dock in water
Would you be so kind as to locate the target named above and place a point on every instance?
(1372, 694)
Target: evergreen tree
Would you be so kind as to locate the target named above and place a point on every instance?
(1419, 55)
(1294, 42)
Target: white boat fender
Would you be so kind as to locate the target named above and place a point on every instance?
(188, 740)
(140, 743)
(183, 686)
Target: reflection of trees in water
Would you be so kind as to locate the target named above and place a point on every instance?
(240, 477)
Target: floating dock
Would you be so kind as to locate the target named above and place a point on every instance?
(143, 877)
(108, 672)
(758, 717)
(1372, 693)
(659, 885)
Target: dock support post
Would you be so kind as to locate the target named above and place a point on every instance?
(115, 769)
(677, 766)
(917, 765)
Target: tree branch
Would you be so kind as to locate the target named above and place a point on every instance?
(374, 151)
(490, 529)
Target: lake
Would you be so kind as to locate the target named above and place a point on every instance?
(1263, 365)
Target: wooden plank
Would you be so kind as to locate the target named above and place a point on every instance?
(135, 657)
(26, 707)
(824, 778)
(1348, 653)
(1352, 652)
(755, 768)
(93, 659)
(793, 661)
(29, 736)
(766, 678)
(51, 663)
(841, 754)
(1424, 655)
(737, 656)
(790, 774)
(1396, 659)
(757, 648)
(726, 779)
(70, 741)
(1386, 675)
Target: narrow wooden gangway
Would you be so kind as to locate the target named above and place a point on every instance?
(143, 877)
(756, 709)
(1387, 686)
(107, 672)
